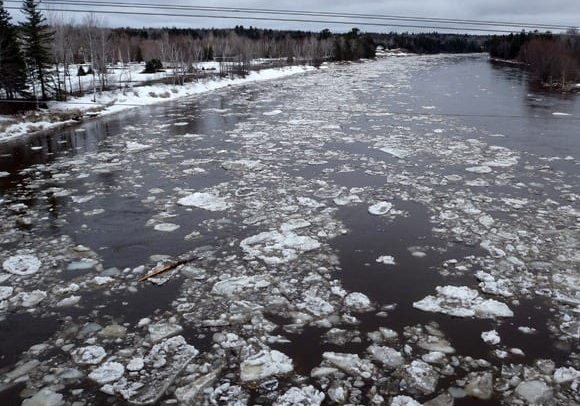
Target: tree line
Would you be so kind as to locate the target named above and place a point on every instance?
(41, 56)
(551, 59)
(432, 43)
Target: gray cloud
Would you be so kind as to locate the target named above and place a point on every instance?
(560, 12)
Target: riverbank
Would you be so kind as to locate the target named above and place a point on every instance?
(59, 114)
(554, 86)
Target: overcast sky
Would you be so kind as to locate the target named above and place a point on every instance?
(558, 12)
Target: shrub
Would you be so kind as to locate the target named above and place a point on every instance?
(153, 66)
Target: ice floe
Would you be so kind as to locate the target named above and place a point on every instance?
(380, 208)
(265, 364)
(206, 201)
(274, 247)
(22, 265)
(461, 301)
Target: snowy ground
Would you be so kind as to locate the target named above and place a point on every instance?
(135, 96)
(256, 206)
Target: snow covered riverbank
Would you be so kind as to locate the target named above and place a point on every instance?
(109, 102)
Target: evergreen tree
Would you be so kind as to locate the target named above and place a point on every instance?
(37, 36)
(12, 66)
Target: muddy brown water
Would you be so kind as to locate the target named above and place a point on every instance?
(462, 84)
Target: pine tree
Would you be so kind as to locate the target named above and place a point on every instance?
(12, 66)
(36, 36)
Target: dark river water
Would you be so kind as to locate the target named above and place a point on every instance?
(470, 91)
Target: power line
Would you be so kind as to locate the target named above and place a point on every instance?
(349, 111)
(303, 13)
(271, 19)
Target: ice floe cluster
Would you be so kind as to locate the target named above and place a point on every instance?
(255, 307)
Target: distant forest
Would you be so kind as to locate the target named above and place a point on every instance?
(553, 60)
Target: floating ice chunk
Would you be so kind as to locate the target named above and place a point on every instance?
(479, 169)
(460, 301)
(387, 356)
(108, 372)
(346, 200)
(90, 355)
(403, 400)
(82, 265)
(480, 386)
(6, 292)
(228, 340)
(272, 113)
(310, 203)
(295, 224)
(486, 220)
(162, 330)
(4, 174)
(22, 265)
(44, 397)
(274, 247)
(420, 377)
(306, 396)
(187, 395)
(534, 392)
(233, 286)
(489, 309)
(243, 165)
(434, 357)
(81, 199)
(350, 363)
(206, 201)
(563, 375)
(136, 364)
(434, 343)
(28, 299)
(136, 147)
(527, 330)
(380, 208)
(102, 280)
(265, 364)
(396, 152)
(387, 260)
(68, 301)
(162, 365)
(503, 162)
(490, 337)
(166, 227)
(358, 302)
(317, 306)
(559, 113)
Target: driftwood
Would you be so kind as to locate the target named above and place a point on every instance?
(161, 269)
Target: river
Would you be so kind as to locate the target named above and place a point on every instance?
(356, 228)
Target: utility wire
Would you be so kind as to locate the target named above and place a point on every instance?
(271, 19)
(302, 13)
